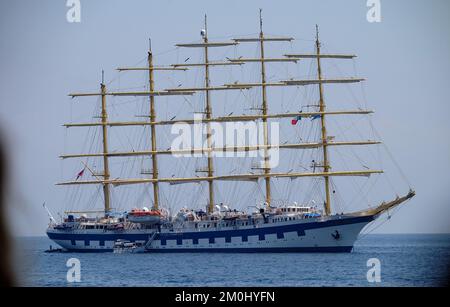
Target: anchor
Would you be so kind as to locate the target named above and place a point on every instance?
(336, 235)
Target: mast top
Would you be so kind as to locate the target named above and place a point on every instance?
(317, 35)
(260, 21)
(206, 27)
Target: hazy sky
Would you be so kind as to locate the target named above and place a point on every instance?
(405, 57)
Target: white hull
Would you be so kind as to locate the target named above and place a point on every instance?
(296, 236)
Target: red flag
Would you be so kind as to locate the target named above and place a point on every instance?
(80, 174)
(296, 120)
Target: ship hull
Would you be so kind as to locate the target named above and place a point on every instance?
(335, 234)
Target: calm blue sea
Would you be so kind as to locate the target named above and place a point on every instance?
(406, 260)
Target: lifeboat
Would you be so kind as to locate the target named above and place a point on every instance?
(144, 216)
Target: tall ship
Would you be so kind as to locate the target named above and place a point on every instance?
(269, 187)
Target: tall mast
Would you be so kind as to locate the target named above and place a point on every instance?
(326, 166)
(264, 110)
(264, 117)
(106, 174)
(208, 125)
(153, 130)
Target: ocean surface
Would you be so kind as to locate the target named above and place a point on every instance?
(405, 260)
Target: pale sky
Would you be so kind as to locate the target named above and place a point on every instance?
(405, 59)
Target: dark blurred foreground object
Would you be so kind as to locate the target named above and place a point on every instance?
(6, 275)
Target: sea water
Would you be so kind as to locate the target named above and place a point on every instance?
(405, 260)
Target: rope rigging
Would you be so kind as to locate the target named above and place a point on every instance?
(248, 101)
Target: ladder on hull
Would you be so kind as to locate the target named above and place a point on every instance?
(148, 244)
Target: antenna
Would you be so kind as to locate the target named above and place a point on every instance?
(260, 20)
(317, 34)
(103, 76)
(150, 45)
(206, 27)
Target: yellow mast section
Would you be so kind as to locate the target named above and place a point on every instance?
(326, 165)
(208, 124)
(106, 175)
(153, 130)
(264, 110)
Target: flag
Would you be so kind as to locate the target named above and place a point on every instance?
(296, 120)
(80, 174)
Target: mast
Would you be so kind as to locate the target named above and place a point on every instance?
(153, 130)
(326, 165)
(262, 116)
(152, 123)
(208, 124)
(264, 111)
(106, 174)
